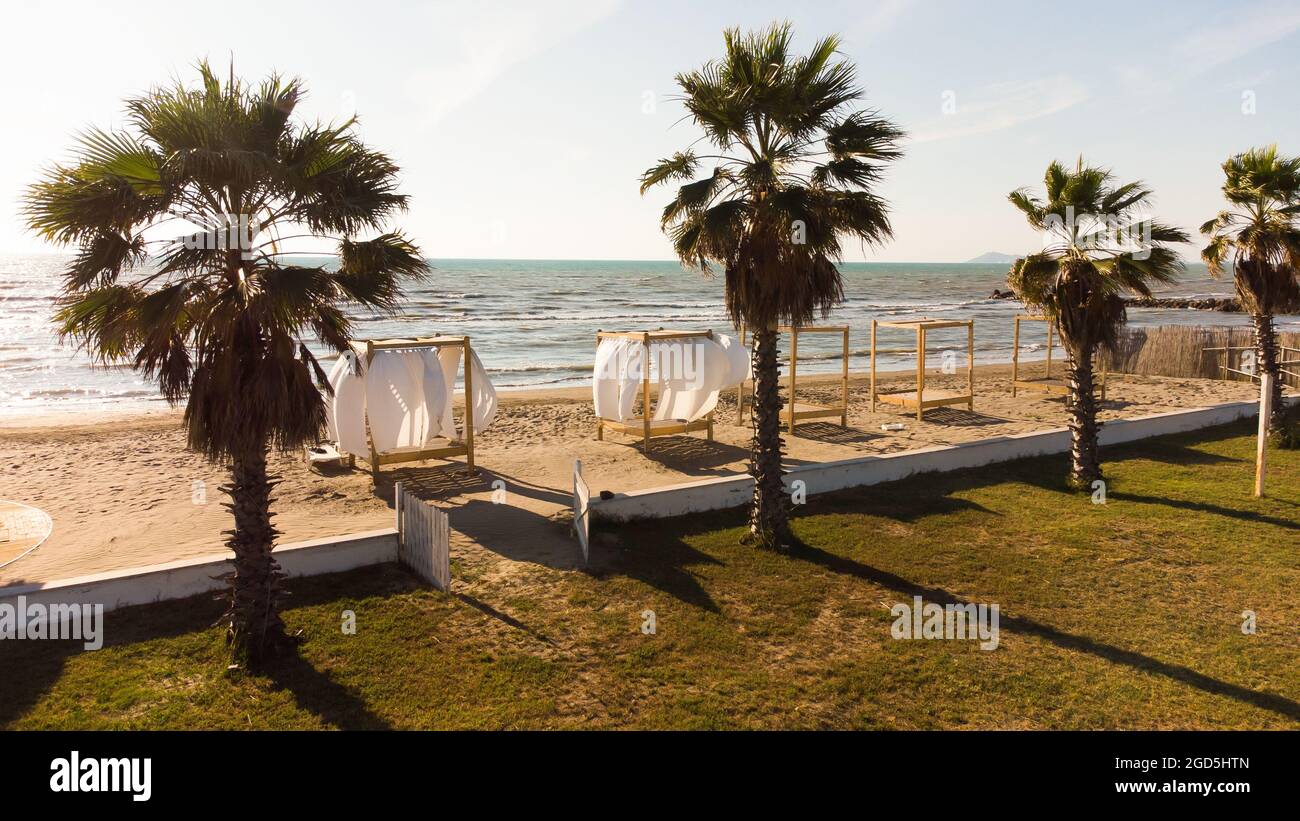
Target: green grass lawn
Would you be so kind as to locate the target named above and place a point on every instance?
(1126, 615)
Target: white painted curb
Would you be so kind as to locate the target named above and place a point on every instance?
(189, 577)
(735, 491)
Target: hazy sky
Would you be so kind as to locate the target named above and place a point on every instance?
(522, 127)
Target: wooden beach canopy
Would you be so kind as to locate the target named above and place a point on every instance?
(796, 411)
(648, 427)
(1284, 364)
(1045, 383)
(365, 350)
(921, 397)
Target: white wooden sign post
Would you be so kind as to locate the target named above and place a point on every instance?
(1261, 447)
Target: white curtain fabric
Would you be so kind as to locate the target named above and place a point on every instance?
(449, 361)
(407, 397)
(691, 372)
(435, 393)
(616, 378)
(737, 357)
(334, 378)
(484, 400)
(391, 398)
(345, 415)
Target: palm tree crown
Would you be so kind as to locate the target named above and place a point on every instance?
(219, 313)
(1099, 243)
(1260, 233)
(789, 178)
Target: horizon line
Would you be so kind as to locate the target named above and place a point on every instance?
(47, 253)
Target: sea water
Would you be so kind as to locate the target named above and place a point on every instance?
(534, 322)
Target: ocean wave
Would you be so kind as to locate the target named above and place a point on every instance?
(96, 393)
(547, 368)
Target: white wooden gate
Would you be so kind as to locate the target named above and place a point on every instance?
(423, 538)
(581, 510)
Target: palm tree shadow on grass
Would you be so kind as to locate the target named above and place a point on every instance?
(317, 693)
(1049, 472)
(664, 562)
(42, 663)
(1068, 641)
(1204, 507)
(505, 618)
(902, 506)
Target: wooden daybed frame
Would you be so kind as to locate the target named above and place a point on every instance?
(919, 397)
(648, 428)
(795, 411)
(365, 350)
(1225, 366)
(1046, 383)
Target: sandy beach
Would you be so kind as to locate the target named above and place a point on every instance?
(123, 491)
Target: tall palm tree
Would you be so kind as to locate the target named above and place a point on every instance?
(217, 315)
(791, 172)
(1099, 243)
(1259, 235)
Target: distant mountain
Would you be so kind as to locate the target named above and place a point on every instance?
(994, 256)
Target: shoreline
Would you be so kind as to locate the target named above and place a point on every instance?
(58, 418)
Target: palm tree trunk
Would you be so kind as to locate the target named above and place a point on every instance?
(768, 515)
(254, 628)
(1085, 461)
(1267, 351)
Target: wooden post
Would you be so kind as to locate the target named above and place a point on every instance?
(970, 365)
(370, 436)
(1015, 358)
(600, 424)
(1261, 446)
(740, 389)
(1049, 347)
(920, 371)
(873, 365)
(844, 383)
(794, 366)
(645, 389)
(469, 406)
(709, 417)
(397, 509)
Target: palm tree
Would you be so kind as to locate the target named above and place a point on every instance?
(1260, 236)
(790, 178)
(1098, 244)
(218, 315)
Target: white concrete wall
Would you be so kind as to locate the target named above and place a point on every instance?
(734, 491)
(178, 580)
